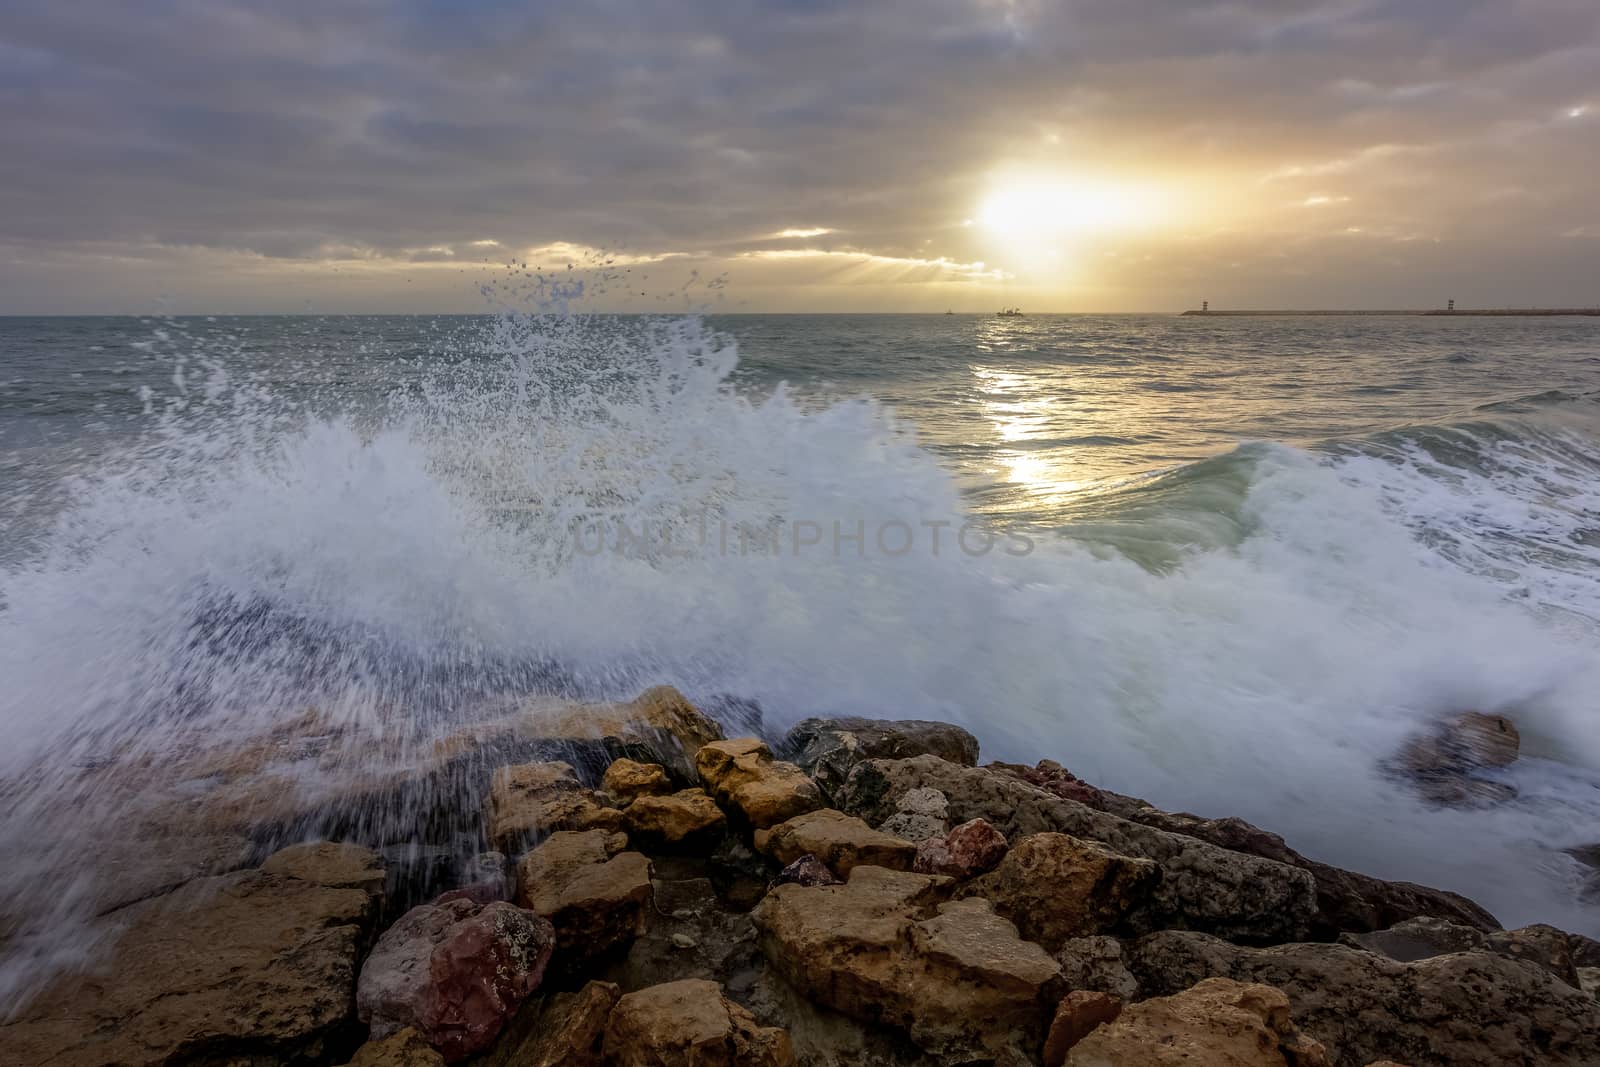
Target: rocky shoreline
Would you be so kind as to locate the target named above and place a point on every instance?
(624, 885)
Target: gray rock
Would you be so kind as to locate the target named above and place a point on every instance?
(828, 749)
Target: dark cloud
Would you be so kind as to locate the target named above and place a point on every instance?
(214, 139)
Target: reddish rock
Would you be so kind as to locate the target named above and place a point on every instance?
(807, 871)
(967, 850)
(455, 971)
(1080, 1012)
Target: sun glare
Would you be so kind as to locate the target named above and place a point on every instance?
(1037, 212)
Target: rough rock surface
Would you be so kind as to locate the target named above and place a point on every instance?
(1203, 887)
(842, 842)
(744, 777)
(686, 820)
(956, 977)
(1079, 1013)
(660, 726)
(1466, 1009)
(689, 1023)
(248, 964)
(1217, 1023)
(1056, 887)
(331, 863)
(1423, 938)
(407, 1048)
(595, 895)
(829, 749)
(965, 851)
(533, 799)
(627, 780)
(1443, 764)
(1095, 963)
(808, 871)
(923, 813)
(567, 1030)
(456, 972)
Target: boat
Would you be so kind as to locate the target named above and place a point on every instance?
(1010, 313)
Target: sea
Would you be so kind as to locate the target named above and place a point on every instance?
(1227, 565)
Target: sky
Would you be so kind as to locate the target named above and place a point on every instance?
(216, 156)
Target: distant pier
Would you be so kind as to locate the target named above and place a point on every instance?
(1593, 312)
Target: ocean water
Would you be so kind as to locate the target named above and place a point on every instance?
(1226, 565)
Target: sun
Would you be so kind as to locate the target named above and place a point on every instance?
(1036, 214)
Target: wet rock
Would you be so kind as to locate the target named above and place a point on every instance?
(1216, 1022)
(1442, 764)
(484, 878)
(1054, 778)
(956, 977)
(740, 875)
(686, 821)
(840, 841)
(456, 972)
(966, 851)
(1424, 938)
(248, 964)
(1079, 1013)
(332, 863)
(829, 749)
(690, 935)
(744, 778)
(1056, 887)
(689, 1023)
(627, 780)
(407, 1048)
(595, 895)
(1095, 963)
(568, 1030)
(806, 871)
(1202, 887)
(660, 726)
(533, 799)
(1464, 1009)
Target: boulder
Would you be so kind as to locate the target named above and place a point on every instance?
(1054, 778)
(248, 964)
(1228, 1024)
(331, 863)
(840, 841)
(690, 935)
(1442, 764)
(808, 871)
(626, 780)
(456, 972)
(1095, 963)
(660, 726)
(1202, 887)
(966, 851)
(689, 1023)
(534, 799)
(595, 895)
(1056, 887)
(744, 778)
(1424, 938)
(686, 821)
(407, 1048)
(1079, 1013)
(829, 749)
(568, 1030)
(1464, 1009)
(923, 813)
(955, 976)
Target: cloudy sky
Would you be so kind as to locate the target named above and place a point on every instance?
(1116, 155)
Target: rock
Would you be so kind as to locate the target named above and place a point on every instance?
(1056, 887)
(1589, 980)
(923, 813)
(685, 821)
(689, 1023)
(1203, 887)
(807, 871)
(740, 875)
(829, 749)
(1442, 764)
(567, 1031)
(690, 935)
(595, 895)
(1054, 778)
(744, 777)
(968, 850)
(880, 948)
(1219, 1022)
(456, 972)
(660, 726)
(535, 799)
(407, 1048)
(627, 780)
(1079, 1013)
(1464, 1009)
(331, 863)
(242, 965)
(1424, 938)
(840, 841)
(1095, 963)
(484, 879)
